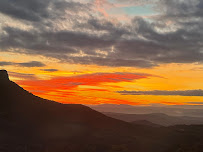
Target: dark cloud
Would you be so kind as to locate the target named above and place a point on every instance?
(32, 10)
(165, 93)
(71, 6)
(195, 103)
(6, 63)
(48, 43)
(173, 36)
(50, 70)
(179, 8)
(112, 62)
(37, 10)
(24, 64)
(23, 75)
(116, 31)
(31, 64)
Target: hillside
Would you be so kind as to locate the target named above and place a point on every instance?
(23, 108)
(31, 124)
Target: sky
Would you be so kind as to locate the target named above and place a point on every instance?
(136, 52)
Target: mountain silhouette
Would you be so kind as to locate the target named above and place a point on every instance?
(26, 109)
(31, 124)
(26, 117)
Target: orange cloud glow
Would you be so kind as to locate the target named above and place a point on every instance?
(63, 88)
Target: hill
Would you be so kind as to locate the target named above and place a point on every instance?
(157, 118)
(171, 110)
(31, 124)
(145, 123)
(24, 108)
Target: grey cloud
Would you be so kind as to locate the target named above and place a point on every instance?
(24, 64)
(196, 103)
(38, 10)
(22, 75)
(179, 8)
(72, 6)
(32, 10)
(31, 64)
(50, 70)
(165, 93)
(52, 42)
(6, 63)
(116, 31)
(138, 43)
(112, 62)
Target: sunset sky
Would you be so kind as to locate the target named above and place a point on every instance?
(136, 52)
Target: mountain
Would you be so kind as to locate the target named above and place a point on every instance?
(26, 117)
(31, 124)
(171, 110)
(145, 123)
(157, 118)
(22, 107)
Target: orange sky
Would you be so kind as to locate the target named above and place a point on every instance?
(92, 84)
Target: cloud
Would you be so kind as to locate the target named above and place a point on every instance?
(195, 103)
(24, 64)
(52, 43)
(37, 10)
(178, 8)
(50, 70)
(66, 83)
(31, 64)
(74, 32)
(113, 62)
(165, 93)
(2, 63)
(70, 88)
(32, 10)
(22, 75)
(100, 6)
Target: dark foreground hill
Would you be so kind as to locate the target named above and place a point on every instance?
(32, 124)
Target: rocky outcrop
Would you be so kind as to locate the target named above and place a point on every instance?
(4, 75)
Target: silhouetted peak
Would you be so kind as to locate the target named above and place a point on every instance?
(4, 75)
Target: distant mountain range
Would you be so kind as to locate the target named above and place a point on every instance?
(157, 118)
(171, 110)
(31, 124)
(145, 123)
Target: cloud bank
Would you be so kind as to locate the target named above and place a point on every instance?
(24, 64)
(165, 93)
(77, 32)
